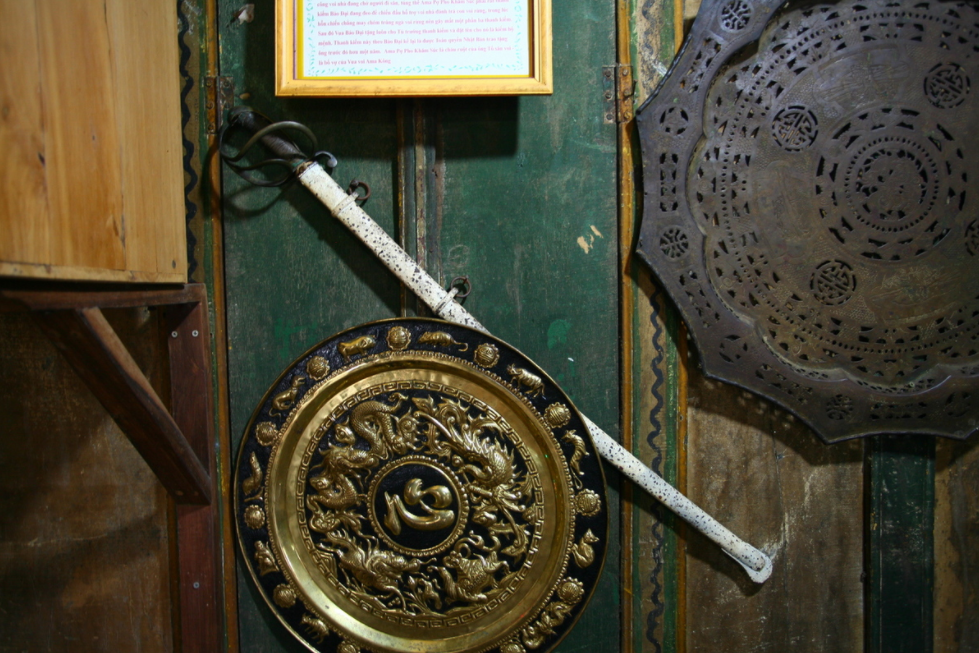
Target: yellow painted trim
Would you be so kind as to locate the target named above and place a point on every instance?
(540, 81)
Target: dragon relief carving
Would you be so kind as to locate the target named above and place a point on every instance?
(474, 559)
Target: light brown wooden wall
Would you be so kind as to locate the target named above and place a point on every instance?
(84, 529)
(957, 546)
(773, 482)
(91, 180)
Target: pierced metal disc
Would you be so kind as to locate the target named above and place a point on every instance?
(414, 485)
(811, 207)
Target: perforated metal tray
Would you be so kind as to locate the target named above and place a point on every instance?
(811, 206)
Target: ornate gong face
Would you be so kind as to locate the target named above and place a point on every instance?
(412, 485)
(811, 207)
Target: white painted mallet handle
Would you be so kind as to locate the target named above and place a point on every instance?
(345, 208)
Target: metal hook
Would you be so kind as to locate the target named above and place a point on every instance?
(354, 185)
(464, 283)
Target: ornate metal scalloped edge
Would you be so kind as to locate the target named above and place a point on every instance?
(307, 619)
(785, 385)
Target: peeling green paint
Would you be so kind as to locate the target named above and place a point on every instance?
(557, 333)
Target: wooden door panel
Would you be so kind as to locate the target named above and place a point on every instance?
(519, 194)
(501, 190)
(770, 479)
(956, 619)
(530, 215)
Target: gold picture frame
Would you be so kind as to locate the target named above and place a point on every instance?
(405, 48)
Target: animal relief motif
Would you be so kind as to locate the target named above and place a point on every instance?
(531, 383)
(441, 339)
(284, 400)
(584, 553)
(356, 347)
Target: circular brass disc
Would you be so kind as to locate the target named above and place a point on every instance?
(413, 485)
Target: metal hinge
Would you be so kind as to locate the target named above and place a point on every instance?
(219, 94)
(618, 87)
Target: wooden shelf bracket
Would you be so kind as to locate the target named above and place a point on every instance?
(177, 444)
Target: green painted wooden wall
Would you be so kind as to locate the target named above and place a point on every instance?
(520, 195)
(501, 190)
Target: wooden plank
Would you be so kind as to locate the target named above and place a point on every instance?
(956, 596)
(91, 346)
(411, 201)
(529, 211)
(198, 527)
(44, 271)
(147, 92)
(626, 278)
(901, 555)
(657, 596)
(23, 194)
(211, 244)
(657, 27)
(83, 538)
(90, 135)
(657, 593)
(83, 296)
(194, 53)
(293, 274)
(769, 479)
(82, 139)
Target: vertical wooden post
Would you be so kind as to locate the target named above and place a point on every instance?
(198, 527)
(901, 561)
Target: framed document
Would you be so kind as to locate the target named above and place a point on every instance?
(385, 48)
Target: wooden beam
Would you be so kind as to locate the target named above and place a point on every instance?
(100, 359)
(25, 297)
(202, 613)
(901, 564)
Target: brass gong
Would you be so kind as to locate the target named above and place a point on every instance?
(414, 485)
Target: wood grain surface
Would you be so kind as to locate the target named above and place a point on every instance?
(86, 339)
(956, 545)
(23, 189)
(770, 480)
(82, 154)
(83, 527)
(90, 134)
(146, 89)
(656, 593)
(899, 543)
(199, 528)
